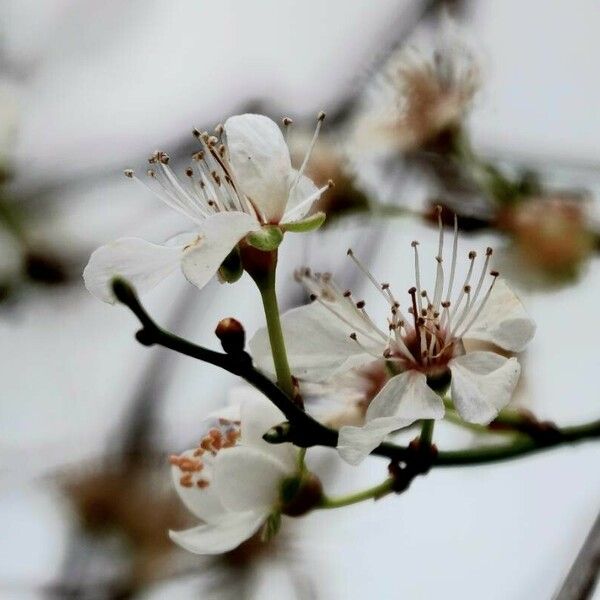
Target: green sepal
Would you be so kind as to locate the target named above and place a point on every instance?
(309, 224)
(231, 268)
(266, 239)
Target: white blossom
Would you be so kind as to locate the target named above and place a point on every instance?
(241, 180)
(232, 480)
(421, 342)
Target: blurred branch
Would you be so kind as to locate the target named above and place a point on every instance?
(583, 576)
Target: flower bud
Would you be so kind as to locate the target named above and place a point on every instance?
(232, 335)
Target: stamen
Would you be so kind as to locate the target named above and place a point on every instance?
(439, 275)
(347, 322)
(453, 264)
(320, 119)
(297, 210)
(488, 254)
(417, 275)
(483, 302)
(287, 127)
(354, 338)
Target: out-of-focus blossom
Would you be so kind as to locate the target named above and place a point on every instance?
(233, 480)
(418, 98)
(236, 186)
(423, 344)
(550, 235)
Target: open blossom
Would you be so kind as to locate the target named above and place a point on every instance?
(241, 180)
(232, 480)
(422, 343)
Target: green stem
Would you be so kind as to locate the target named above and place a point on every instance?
(372, 493)
(426, 431)
(271, 308)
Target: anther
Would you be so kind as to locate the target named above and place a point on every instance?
(446, 304)
(219, 129)
(494, 273)
(347, 294)
(196, 133)
(128, 173)
(353, 336)
(189, 172)
(312, 297)
(286, 121)
(349, 252)
(467, 289)
(321, 116)
(330, 184)
(385, 286)
(360, 304)
(472, 254)
(489, 251)
(414, 244)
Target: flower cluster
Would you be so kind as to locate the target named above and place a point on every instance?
(362, 377)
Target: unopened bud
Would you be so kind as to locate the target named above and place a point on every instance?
(278, 434)
(232, 335)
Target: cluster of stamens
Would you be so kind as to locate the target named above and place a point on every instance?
(427, 334)
(223, 434)
(210, 185)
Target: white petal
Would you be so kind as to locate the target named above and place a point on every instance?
(229, 533)
(296, 207)
(141, 263)
(408, 398)
(217, 236)
(248, 479)
(356, 443)
(317, 342)
(482, 384)
(261, 162)
(258, 415)
(503, 320)
(404, 399)
(204, 503)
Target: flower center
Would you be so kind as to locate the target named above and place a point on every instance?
(428, 334)
(220, 434)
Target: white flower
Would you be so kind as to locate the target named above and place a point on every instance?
(232, 480)
(423, 344)
(236, 186)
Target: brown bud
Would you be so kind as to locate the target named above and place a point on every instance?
(232, 335)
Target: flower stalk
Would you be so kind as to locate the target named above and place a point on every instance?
(372, 493)
(266, 286)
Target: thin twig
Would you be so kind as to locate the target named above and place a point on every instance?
(304, 431)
